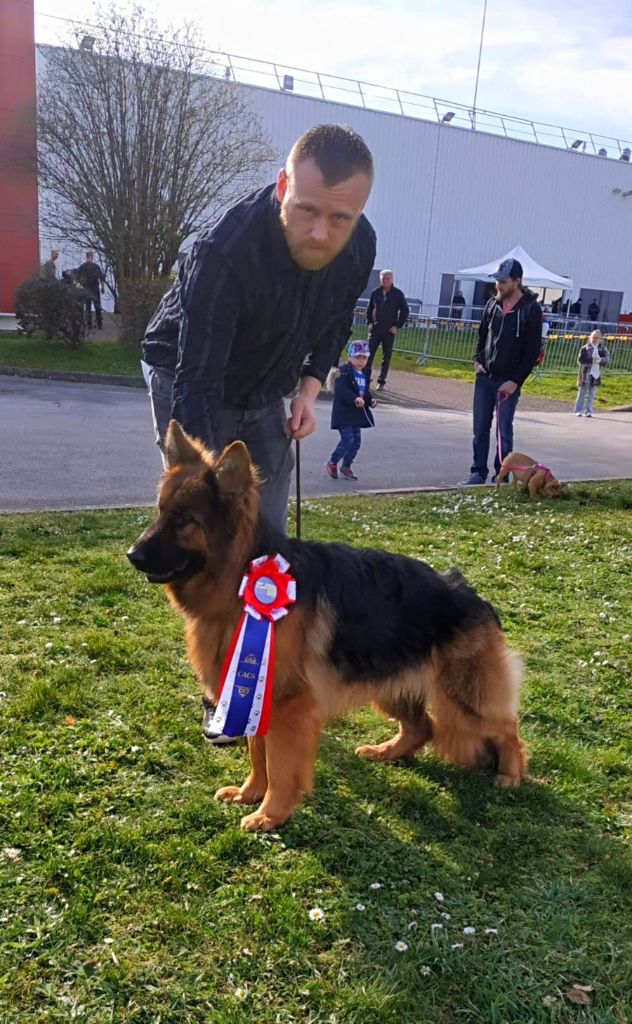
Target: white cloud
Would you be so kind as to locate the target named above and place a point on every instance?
(547, 61)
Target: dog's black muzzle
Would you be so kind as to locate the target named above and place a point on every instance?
(161, 570)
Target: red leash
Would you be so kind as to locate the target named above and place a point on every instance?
(501, 396)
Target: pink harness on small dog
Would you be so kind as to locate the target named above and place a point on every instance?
(535, 469)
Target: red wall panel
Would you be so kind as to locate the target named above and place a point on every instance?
(19, 237)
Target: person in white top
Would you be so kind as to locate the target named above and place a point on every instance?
(592, 357)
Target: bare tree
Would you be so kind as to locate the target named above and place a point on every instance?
(140, 139)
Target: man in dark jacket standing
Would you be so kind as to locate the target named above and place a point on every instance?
(509, 343)
(91, 278)
(386, 315)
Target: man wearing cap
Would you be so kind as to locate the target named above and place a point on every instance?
(386, 314)
(509, 343)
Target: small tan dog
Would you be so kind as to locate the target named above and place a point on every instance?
(530, 474)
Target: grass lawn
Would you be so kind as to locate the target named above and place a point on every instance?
(616, 388)
(112, 357)
(128, 895)
(93, 356)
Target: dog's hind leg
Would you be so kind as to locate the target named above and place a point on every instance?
(290, 748)
(476, 705)
(415, 730)
(255, 786)
(511, 755)
(535, 483)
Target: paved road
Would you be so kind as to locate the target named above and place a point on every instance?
(68, 445)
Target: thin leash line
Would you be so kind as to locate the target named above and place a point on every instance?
(500, 397)
(298, 489)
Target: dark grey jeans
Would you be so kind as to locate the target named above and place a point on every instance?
(261, 429)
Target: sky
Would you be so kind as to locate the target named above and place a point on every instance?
(564, 62)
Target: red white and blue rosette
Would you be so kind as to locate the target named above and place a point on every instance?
(245, 685)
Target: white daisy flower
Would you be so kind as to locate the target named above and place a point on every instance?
(456, 945)
(316, 914)
(401, 947)
(436, 927)
(241, 993)
(108, 942)
(439, 897)
(11, 853)
(360, 907)
(375, 885)
(425, 970)
(468, 930)
(445, 915)
(491, 931)
(412, 926)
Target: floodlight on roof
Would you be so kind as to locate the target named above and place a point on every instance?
(602, 152)
(87, 43)
(625, 155)
(577, 143)
(288, 83)
(447, 117)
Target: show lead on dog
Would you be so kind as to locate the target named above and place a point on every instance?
(265, 299)
(509, 343)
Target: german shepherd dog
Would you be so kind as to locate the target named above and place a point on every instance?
(367, 626)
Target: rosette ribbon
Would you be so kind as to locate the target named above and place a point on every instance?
(245, 686)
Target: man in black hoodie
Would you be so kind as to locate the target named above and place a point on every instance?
(509, 343)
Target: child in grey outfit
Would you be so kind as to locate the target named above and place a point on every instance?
(592, 358)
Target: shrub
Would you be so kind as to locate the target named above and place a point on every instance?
(137, 304)
(54, 308)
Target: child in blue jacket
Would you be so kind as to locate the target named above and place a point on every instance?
(351, 410)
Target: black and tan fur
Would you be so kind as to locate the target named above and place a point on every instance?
(368, 626)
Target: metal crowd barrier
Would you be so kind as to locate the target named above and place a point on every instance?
(434, 335)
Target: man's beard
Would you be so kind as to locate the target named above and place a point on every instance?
(305, 257)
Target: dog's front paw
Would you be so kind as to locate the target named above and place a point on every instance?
(259, 822)
(507, 781)
(380, 752)
(228, 794)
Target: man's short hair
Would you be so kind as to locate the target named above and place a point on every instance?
(337, 151)
(384, 272)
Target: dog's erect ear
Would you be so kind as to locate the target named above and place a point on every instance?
(180, 449)
(233, 469)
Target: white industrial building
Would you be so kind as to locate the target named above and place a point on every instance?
(449, 195)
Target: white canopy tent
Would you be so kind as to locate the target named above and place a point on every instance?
(534, 274)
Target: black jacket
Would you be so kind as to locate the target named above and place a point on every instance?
(509, 343)
(90, 275)
(585, 360)
(386, 311)
(244, 321)
(344, 412)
